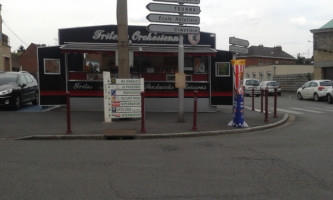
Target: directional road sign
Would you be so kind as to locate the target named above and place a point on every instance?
(238, 42)
(237, 49)
(173, 8)
(181, 1)
(173, 19)
(159, 28)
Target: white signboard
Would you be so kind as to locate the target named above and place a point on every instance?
(173, 19)
(237, 49)
(122, 98)
(159, 28)
(181, 1)
(173, 8)
(238, 42)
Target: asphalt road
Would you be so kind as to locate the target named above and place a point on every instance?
(289, 162)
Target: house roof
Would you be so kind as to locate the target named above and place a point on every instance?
(328, 25)
(266, 52)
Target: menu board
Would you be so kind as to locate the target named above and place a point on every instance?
(122, 98)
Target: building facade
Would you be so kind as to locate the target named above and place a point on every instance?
(323, 51)
(5, 50)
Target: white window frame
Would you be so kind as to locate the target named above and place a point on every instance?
(52, 73)
(217, 69)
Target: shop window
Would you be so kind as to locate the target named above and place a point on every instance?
(200, 65)
(222, 69)
(52, 66)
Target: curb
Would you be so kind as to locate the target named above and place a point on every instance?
(156, 136)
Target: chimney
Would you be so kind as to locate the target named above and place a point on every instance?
(278, 48)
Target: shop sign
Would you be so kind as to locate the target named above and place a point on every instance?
(173, 8)
(181, 1)
(237, 49)
(170, 86)
(85, 85)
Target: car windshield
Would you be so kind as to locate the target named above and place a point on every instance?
(326, 83)
(272, 84)
(6, 79)
(252, 82)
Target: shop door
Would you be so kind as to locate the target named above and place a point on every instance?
(221, 79)
(52, 76)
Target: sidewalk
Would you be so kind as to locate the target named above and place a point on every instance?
(41, 124)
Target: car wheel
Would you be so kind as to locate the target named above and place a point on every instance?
(329, 99)
(316, 97)
(299, 96)
(35, 101)
(17, 103)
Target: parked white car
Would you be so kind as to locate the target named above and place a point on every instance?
(315, 89)
(250, 84)
(271, 85)
(330, 95)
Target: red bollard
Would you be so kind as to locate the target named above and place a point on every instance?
(68, 101)
(262, 100)
(252, 99)
(275, 102)
(194, 128)
(266, 105)
(143, 128)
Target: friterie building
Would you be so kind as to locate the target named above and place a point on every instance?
(77, 64)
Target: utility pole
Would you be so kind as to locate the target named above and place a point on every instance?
(122, 26)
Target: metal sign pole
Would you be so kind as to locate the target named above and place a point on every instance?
(181, 71)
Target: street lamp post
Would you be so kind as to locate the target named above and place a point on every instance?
(122, 25)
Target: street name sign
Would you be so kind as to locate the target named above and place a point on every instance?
(181, 1)
(173, 29)
(173, 19)
(238, 42)
(173, 8)
(237, 49)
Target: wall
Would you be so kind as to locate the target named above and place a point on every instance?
(291, 82)
(28, 60)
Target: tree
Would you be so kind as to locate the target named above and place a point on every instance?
(21, 49)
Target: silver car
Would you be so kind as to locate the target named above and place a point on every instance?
(271, 85)
(250, 84)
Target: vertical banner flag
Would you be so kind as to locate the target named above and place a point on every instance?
(238, 107)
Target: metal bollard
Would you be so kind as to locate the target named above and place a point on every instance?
(262, 100)
(275, 102)
(68, 101)
(252, 99)
(195, 105)
(266, 105)
(143, 122)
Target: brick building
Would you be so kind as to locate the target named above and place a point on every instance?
(262, 56)
(28, 59)
(323, 51)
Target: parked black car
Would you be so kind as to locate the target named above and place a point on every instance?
(17, 88)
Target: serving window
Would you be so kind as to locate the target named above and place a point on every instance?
(52, 66)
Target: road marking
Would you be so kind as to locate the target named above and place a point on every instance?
(322, 109)
(308, 110)
(289, 111)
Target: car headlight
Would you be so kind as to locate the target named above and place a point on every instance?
(4, 92)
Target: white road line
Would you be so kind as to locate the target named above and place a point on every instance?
(289, 111)
(322, 109)
(308, 110)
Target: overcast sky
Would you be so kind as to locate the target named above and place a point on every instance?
(268, 22)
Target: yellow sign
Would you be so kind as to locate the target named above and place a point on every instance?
(180, 80)
(238, 62)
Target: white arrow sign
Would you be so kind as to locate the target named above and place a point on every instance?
(239, 42)
(181, 1)
(237, 49)
(173, 8)
(159, 28)
(173, 19)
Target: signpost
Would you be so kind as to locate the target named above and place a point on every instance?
(159, 28)
(237, 49)
(173, 19)
(238, 45)
(181, 1)
(180, 29)
(122, 97)
(173, 8)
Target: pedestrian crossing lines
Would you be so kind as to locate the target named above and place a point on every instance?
(306, 110)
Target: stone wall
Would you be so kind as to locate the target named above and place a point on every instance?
(291, 82)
